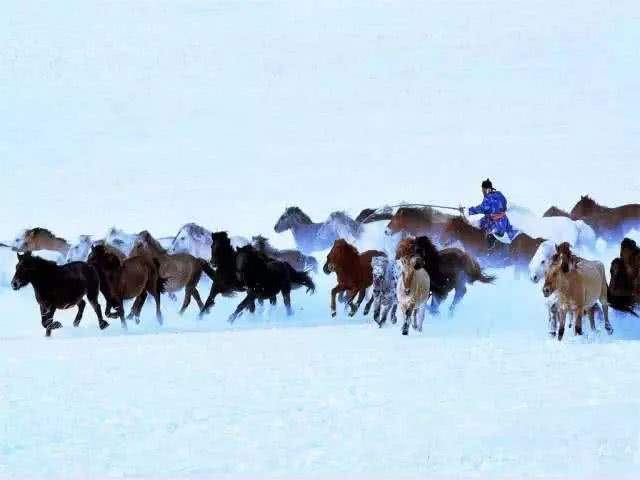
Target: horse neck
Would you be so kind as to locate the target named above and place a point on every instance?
(44, 276)
(226, 259)
(56, 244)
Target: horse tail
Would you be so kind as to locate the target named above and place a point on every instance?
(161, 282)
(206, 268)
(623, 304)
(475, 272)
(301, 278)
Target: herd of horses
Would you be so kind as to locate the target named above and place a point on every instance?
(432, 255)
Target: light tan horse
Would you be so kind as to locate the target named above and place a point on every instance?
(580, 285)
(412, 292)
(40, 239)
(181, 270)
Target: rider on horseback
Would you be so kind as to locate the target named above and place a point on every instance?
(495, 222)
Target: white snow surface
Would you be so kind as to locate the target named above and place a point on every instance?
(153, 115)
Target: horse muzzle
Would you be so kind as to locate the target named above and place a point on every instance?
(547, 291)
(327, 269)
(15, 285)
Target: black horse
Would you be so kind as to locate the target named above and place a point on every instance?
(59, 287)
(264, 278)
(449, 269)
(225, 279)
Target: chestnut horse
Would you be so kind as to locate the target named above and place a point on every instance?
(419, 221)
(353, 270)
(609, 223)
(134, 277)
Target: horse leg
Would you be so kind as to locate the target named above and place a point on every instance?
(592, 318)
(461, 291)
(120, 311)
(334, 291)
(394, 316)
(286, 296)
(367, 305)
(376, 310)
(47, 320)
(578, 322)
(385, 314)
(407, 319)
(553, 320)
(249, 299)
(137, 306)
(196, 295)
(187, 298)
(81, 305)
(421, 314)
(354, 308)
(156, 296)
(210, 300)
(605, 312)
(435, 305)
(562, 317)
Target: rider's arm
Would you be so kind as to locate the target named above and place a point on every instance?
(484, 207)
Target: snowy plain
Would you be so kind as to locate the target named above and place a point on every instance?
(224, 113)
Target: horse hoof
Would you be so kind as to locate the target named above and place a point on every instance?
(56, 325)
(48, 333)
(609, 330)
(160, 320)
(333, 314)
(103, 325)
(137, 319)
(76, 323)
(123, 325)
(405, 332)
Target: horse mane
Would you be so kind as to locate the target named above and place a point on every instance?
(152, 242)
(38, 260)
(405, 248)
(44, 231)
(195, 229)
(298, 213)
(342, 217)
(345, 247)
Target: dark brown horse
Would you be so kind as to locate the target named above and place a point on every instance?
(59, 287)
(134, 277)
(181, 270)
(518, 253)
(609, 223)
(353, 270)
(298, 260)
(448, 269)
(419, 221)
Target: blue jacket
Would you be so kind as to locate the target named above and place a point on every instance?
(493, 205)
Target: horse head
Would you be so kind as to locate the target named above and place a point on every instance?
(291, 217)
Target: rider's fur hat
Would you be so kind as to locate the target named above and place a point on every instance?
(487, 184)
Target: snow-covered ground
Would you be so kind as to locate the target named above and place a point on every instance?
(157, 114)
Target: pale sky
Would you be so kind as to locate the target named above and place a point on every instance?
(153, 114)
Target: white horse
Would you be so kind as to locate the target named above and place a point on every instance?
(80, 251)
(196, 240)
(558, 229)
(412, 293)
(385, 281)
(126, 241)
